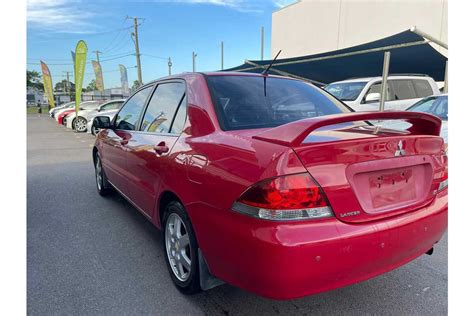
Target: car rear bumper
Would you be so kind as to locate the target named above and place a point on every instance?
(289, 260)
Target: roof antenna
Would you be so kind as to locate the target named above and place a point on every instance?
(265, 74)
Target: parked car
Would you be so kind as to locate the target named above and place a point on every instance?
(86, 105)
(61, 107)
(95, 130)
(271, 184)
(363, 94)
(57, 111)
(80, 124)
(436, 105)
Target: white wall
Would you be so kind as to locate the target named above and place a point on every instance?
(315, 26)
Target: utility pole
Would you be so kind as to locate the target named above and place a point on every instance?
(67, 88)
(97, 52)
(169, 66)
(262, 35)
(222, 55)
(137, 49)
(194, 61)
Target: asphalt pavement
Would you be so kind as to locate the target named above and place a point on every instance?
(89, 255)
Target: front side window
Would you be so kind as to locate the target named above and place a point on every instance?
(244, 102)
(403, 89)
(111, 106)
(163, 104)
(346, 91)
(377, 88)
(129, 115)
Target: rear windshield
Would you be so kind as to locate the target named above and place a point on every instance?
(346, 91)
(242, 102)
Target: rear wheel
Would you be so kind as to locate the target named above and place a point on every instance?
(102, 184)
(180, 248)
(80, 124)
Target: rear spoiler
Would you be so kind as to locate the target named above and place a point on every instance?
(294, 133)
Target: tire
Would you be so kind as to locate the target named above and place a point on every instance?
(80, 124)
(94, 130)
(184, 273)
(102, 184)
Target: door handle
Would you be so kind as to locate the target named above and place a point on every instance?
(161, 148)
(124, 142)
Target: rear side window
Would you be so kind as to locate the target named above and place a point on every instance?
(128, 116)
(422, 88)
(403, 89)
(244, 102)
(164, 103)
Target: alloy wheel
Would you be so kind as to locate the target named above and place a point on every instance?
(178, 247)
(80, 124)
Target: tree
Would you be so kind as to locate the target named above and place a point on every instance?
(33, 80)
(135, 85)
(62, 84)
(91, 86)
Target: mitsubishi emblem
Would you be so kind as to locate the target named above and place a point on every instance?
(400, 150)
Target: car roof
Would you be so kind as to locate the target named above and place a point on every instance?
(367, 79)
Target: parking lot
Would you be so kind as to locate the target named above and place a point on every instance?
(93, 255)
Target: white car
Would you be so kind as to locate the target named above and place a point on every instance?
(95, 130)
(363, 94)
(60, 107)
(85, 115)
(436, 105)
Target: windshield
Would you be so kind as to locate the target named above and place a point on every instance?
(432, 105)
(346, 91)
(241, 102)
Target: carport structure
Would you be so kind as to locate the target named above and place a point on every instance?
(411, 51)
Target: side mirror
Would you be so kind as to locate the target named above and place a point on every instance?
(372, 97)
(101, 122)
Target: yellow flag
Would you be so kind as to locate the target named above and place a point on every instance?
(99, 79)
(47, 83)
(79, 67)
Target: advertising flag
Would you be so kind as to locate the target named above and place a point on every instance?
(73, 57)
(79, 67)
(47, 83)
(99, 80)
(123, 78)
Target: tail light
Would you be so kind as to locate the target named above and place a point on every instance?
(444, 177)
(292, 197)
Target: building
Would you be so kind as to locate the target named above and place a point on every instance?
(33, 95)
(109, 94)
(315, 26)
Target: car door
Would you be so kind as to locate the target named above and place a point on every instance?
(148, 155)
(114, 144)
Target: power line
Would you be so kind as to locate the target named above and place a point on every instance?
(158, 57)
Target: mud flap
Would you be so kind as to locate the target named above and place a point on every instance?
(206, 279)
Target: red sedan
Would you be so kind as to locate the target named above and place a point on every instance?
(273, 185)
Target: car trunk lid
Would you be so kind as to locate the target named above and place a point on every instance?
(368, 173)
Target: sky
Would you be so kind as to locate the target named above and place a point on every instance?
(168, 28)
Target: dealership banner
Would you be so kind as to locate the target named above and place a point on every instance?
(99, 79)
(73, 57)
(79, 67)
(47, 83)
(123, 78)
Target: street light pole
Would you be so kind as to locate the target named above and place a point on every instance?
(169, 66)
(262, 42)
